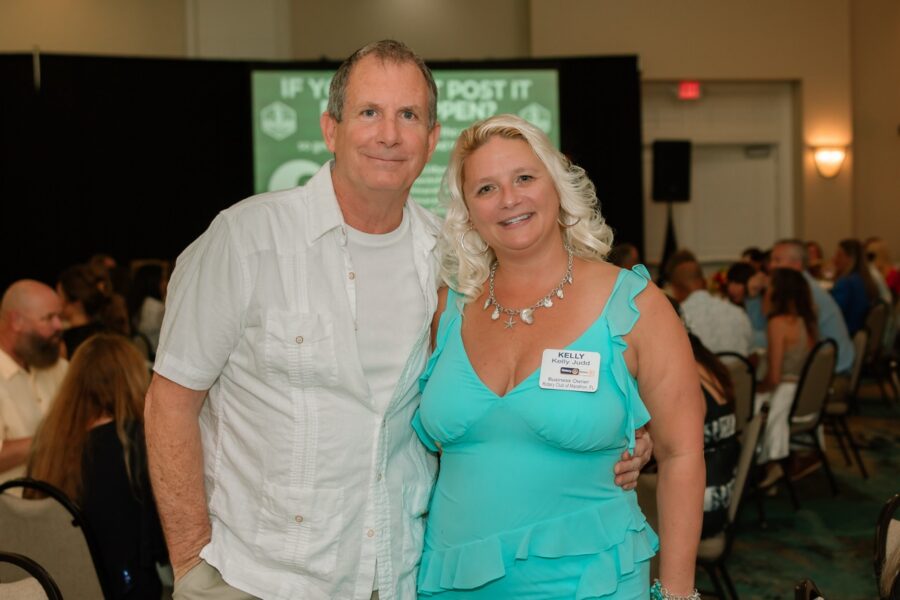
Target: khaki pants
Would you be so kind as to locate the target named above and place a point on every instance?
(205, 582)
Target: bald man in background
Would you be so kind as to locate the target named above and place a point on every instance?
(30, 368)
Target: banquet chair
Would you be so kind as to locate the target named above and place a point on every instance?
(875, 365)
(714, 551)
(808, 409)
(51, 531)
(887, 545)
(841, 401)
(807, 590)
(743, 376)
(34, 584)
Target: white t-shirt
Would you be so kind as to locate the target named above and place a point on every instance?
(386, 284)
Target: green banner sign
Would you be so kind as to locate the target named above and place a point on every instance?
(287, 142)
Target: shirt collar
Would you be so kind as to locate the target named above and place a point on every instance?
(8, 366)
(324, 212)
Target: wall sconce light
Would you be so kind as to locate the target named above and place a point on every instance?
(829, 160)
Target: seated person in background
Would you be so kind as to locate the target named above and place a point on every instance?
(624, 256)
(815, 260)
(88, 306)
(737, 278)
(30, 368)
(792, 333)
(791, 254)
(720, 444)
(754, 257)
(720, 325)
(721, 447)
(880, 257)
(145, 302)
(91, 446)
(854, 290)
(668, 268)
(880, 268)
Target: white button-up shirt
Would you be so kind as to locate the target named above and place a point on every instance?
(308, 482)
(720, 325)
(25, 397)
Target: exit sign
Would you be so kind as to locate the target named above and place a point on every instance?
(688, 90)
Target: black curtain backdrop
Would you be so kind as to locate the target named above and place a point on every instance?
(134, 157)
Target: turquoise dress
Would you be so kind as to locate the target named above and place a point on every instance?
(525, 505)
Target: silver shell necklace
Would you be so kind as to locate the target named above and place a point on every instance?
(526, 314)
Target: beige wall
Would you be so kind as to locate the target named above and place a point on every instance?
(844, 56)
(436, 29)
(876, 119)
(803, 40)
(113, 27)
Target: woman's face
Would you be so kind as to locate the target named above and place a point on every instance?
(511, 197)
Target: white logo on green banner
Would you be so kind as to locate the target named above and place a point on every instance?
(287, 142)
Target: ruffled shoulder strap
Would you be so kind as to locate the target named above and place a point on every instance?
(445, 325)
(621, 315)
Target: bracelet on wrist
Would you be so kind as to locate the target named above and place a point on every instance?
(658, 592)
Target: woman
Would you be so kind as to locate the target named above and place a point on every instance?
(720, 444)
(721, 448)
(145, 303)
(88, 306)
(792, 332)
(532, 406)
(91, 446)
(854, 290)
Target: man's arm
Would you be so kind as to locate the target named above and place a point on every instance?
(14, 453)
(175, 455)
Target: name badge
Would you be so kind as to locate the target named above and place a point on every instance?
(570, 370)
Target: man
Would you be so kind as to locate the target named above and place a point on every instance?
(791, 254)
(305, 316)
(30, 368)
(720, 325)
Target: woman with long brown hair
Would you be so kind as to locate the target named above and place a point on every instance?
(91, 446)
(792, 332)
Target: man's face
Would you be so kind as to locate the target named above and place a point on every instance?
(383, 141)
(40, 330)
(783, 258)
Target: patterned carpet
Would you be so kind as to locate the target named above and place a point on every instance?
(830, 539)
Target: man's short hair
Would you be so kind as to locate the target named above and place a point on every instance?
(797, 248)
(387, 51)
(687, 275)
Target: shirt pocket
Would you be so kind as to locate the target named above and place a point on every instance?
(301, 528)
(300, 348)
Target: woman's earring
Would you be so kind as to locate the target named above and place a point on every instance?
(467, 250)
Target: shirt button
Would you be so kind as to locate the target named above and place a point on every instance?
(298, 518)
(299, 339)
(378, 477)
(370, 533)
(352, 275)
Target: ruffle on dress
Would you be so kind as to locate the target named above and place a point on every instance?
(621, 318)
(614, 533)
(451, 313)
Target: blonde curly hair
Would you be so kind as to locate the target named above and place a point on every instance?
(586, 231)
